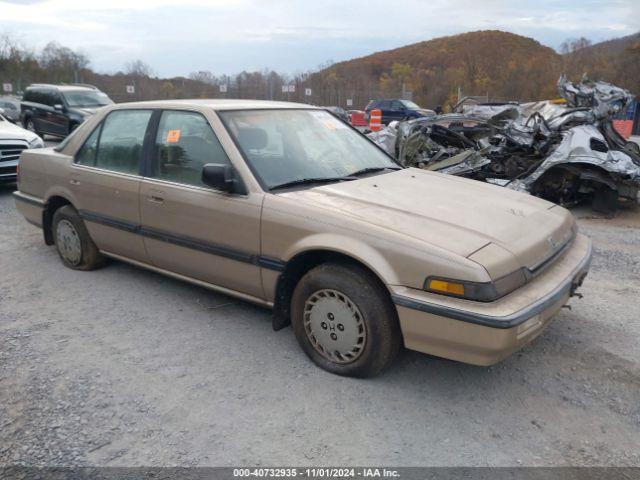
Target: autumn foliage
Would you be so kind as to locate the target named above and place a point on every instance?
(500, 65)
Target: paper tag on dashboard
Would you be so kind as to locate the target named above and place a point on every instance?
(173, 136)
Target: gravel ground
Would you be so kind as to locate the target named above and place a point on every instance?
(124, 367)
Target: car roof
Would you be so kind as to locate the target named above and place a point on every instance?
(217, 104)
(62, 88)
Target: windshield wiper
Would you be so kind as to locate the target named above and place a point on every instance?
(371, 170)
(310, 181)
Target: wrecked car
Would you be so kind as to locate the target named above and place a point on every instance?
(565, 151)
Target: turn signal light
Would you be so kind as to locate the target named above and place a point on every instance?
(446, 287)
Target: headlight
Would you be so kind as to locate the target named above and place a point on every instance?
(478, 291)
(36, 143)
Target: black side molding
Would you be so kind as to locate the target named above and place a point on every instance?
(185, 241)
(19, 196)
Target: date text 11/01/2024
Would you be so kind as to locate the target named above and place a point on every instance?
(327, 472)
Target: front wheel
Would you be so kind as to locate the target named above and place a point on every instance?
(344, 320)
(74, 245)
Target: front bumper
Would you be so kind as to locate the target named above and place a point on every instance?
(485, 333)
(8, 171)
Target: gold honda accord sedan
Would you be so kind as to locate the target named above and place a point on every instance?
(286, 206)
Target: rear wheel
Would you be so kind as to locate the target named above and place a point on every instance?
(31, 126)
(344, 320)
(72, 240)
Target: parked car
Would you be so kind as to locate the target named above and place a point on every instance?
(285, 206)
(13, 141)
(58, 109)
(397, 109)
(10, 109)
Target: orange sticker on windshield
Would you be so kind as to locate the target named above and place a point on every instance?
(173, 136)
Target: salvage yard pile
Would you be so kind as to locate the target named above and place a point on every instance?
(566, 151)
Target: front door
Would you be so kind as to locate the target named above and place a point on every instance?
(106, 182)
(189, 228)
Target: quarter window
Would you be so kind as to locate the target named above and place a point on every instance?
(87, 154)
(121, 140)
(184, 144)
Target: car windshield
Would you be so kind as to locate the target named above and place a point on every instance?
(410, 105)
(302, 146)
(86, 98)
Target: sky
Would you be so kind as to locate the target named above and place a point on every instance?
(176, 37)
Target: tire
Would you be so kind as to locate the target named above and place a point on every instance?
(75, 247)
(358, 312)
(30, 125)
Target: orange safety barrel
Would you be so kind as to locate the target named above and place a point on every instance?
(375, 120)
(358, 118)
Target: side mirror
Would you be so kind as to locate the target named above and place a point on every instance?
(58, 107)
(219, 176)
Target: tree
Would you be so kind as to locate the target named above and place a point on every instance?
(204, 76)
(574, 44)
(138, 68)
(63, 63)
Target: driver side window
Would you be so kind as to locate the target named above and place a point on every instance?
(184, 144)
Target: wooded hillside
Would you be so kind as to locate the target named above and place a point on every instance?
(503, 65)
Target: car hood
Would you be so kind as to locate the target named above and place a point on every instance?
(11, 131)
(426, 113)
(457, 214)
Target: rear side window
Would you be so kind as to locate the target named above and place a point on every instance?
(121, 140)
(184, 144)
(48, 97)
(116, 144)
(385, 104)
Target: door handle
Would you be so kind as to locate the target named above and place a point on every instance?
(73, 181)
(155, 199)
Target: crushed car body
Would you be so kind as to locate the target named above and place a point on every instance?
(566, 151)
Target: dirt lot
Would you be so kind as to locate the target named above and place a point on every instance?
(125, 367)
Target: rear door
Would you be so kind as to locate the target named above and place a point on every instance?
(49, 120)
(58, 117)
(387, 113)
(397, 111)
(44, 118)
(106, 182)
(189, 228)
